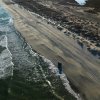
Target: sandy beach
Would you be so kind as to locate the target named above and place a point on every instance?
(79, 65)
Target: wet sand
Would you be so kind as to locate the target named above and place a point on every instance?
(79, 66)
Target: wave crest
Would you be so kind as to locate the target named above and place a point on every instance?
(6, 64)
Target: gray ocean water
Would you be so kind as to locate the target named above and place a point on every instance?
(24, 74)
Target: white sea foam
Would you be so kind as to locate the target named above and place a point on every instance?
(6, 64)
(63, 77)
(11, 21)
(55, 70)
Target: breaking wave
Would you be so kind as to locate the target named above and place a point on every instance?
(6, 64)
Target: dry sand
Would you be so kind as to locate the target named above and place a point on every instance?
(79, 66)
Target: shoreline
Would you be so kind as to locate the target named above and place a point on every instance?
(59, 57)
(54, 71)
(52, 68)
(40, 63)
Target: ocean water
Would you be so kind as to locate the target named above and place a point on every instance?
(6, 64)
(24, 74)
